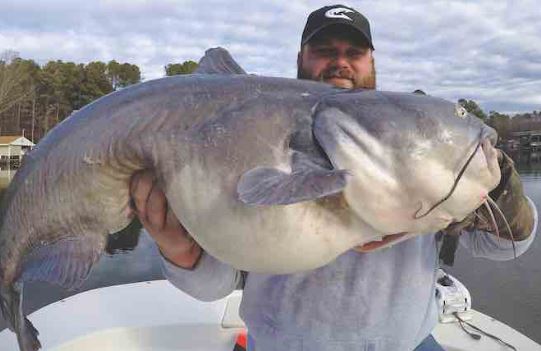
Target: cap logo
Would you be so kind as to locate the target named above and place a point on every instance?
(339, 12)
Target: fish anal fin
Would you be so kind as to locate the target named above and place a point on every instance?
(271, 186)
(66, 262)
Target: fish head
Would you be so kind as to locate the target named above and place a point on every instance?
(416, 163)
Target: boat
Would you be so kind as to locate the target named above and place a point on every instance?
(154, 315)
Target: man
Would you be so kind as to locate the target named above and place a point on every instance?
(382, 300)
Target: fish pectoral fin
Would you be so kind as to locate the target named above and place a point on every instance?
(66, 262)
(270, 186)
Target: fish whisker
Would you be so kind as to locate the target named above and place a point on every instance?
(507, 226)
(455, 184)
(493, 220)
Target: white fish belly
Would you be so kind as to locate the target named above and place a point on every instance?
(277, 239)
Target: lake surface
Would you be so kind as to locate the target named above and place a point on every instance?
(509, 291)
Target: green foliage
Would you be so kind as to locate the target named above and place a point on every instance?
(500, 122)
(113, 73)
(62, 82)
(472, 107)
(34, 98)
(122, 75)
(95, 82)
(504, 124)
(186, 67)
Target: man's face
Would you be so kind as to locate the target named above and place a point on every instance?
(338, 61)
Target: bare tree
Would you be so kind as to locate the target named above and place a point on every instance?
(12, 89)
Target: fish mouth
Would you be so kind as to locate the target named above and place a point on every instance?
(376, 244)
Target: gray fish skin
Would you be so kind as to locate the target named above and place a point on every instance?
(406, 150)
(76, 180)
(72, 189)
(268, 174)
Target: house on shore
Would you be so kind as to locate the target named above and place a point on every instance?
(13, 148)
(528, 144)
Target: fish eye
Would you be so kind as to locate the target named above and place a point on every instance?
(460, 111)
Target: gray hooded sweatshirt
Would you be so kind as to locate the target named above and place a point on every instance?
(378, 301)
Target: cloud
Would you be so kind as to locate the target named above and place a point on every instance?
(487, 51)
(484, 51)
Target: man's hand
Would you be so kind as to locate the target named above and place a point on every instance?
(174, 242)
(509, 196)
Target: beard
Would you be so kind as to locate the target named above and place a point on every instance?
(364, 82)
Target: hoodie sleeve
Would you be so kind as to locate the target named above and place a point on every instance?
(209, 280)
(485, 244)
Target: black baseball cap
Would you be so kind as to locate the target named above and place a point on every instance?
(336, 14)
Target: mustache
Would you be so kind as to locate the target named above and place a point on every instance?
(338, 73)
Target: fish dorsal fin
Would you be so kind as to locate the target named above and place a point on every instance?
(218, 61)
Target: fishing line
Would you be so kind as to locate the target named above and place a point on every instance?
(416, 216)
(477, 336)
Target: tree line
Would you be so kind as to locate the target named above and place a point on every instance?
(505, 124)
(35, 98)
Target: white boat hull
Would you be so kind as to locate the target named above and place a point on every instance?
(156, 316)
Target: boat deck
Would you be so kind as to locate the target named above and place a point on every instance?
(157, 316)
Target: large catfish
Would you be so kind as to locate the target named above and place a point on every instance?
(268, 174)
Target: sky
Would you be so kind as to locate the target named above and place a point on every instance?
(488, 51)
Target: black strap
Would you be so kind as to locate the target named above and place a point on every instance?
(448, 249)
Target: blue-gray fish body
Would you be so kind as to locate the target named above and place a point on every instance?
(267, 174)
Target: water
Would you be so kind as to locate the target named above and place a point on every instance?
(509, 291)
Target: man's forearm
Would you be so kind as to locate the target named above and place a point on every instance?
(209, 280)
(185, 258)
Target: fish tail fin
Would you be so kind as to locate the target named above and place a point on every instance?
(12, 310)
